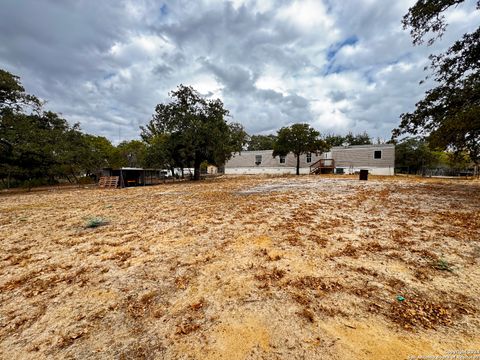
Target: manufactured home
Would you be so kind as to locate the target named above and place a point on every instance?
(377, 159)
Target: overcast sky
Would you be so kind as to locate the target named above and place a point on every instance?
(340, 65)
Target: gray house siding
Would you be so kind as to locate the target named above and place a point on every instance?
(247, 158)
(245, 163)
(353, 158)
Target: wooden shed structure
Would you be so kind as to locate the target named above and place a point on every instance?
(129, 176)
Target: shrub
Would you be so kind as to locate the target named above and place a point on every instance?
(96, 222)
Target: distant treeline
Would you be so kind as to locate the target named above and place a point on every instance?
(415, 156)
(266, 142)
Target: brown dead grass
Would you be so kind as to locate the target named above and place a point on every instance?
(242, 268)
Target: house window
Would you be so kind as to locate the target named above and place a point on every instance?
(377, 154)
(282, 159)
(309, 158)
(258, 159)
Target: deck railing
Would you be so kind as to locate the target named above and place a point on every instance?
(317, 167)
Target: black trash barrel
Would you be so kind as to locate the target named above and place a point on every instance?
(363, 174)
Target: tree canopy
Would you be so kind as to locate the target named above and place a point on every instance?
(412, 155)
(39, 146)
(266, 142)
(130, 154)
(334, 140)
(358, 139)
(349, 139)
(298, 139)
(261, 142)
(427, 17)
(12, 94)
(194, 129)
(449, 115)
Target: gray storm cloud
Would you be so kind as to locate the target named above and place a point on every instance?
(339, 65)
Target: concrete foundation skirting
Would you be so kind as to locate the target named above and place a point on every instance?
(385, 171)
(389, 171)
(264, 170)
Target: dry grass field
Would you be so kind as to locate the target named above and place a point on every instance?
(242, 268)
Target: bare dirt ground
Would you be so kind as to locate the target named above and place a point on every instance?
(242, 268)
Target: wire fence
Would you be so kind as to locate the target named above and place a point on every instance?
(429, 172)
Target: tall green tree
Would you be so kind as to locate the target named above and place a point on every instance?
(157, 153)
(334, 140)
(130, 154)
(96, 152)
(13, 95)
(358, 139)
(13, 99)
(261, 142)
(298, 139)
(40, 146)
(349, 139)
(197, 126)
(449, 115)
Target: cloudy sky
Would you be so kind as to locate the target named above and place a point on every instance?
(340, 65)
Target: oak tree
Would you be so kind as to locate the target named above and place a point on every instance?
(198, 128)
(449, 115)
(298, 139)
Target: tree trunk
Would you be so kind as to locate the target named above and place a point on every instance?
(76, 179)
(298, 164)
(196, 169)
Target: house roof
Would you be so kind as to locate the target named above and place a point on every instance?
(374, 146)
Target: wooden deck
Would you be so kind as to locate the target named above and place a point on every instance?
(323, 166)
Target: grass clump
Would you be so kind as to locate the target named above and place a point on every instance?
(95, 222)
(443, 265)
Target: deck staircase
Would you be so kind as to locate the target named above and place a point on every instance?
(323, 166)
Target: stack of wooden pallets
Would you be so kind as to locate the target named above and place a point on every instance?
(108, 182)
